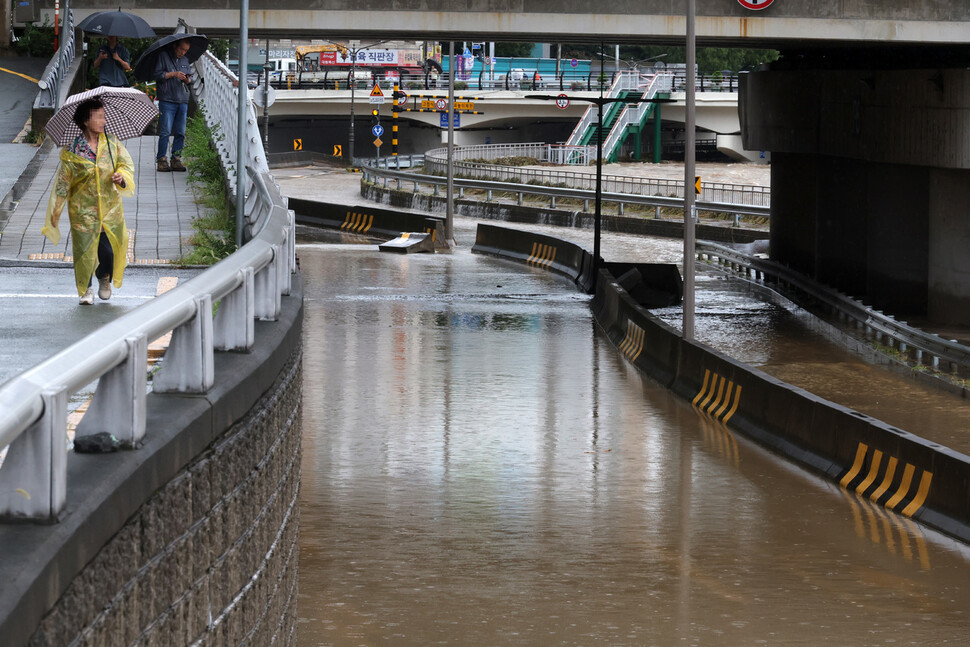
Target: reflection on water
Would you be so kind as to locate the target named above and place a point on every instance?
(489, 470)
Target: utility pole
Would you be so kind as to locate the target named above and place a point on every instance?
(690, 215)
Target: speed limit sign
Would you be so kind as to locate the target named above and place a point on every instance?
(441, 104)
(562, 102)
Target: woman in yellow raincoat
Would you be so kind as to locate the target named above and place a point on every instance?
(95, 172)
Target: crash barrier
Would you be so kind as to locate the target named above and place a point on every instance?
(195, 529)
(544, 252)
(368, 220)
(407, 194)
(409, 242)
(887, 466)
(908, 342)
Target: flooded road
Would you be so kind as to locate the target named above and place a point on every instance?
(481, 467)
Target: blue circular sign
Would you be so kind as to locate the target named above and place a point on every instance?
(378, 130)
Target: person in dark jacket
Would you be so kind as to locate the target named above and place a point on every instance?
(172, 74)
(112, 63)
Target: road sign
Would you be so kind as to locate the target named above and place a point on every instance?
(755, 4)
(338, 150)
(574, 62)
(402, 97)
(562, 102)
(697, 185)
(378, 142)
(264, 96)
(297, 144)
(444, 120)
(464, 105)
(376, 95)
(378, 130)
(441, 104)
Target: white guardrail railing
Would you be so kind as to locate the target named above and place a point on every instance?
(377, 171)
(472, 162)
(918, 346)
(248, 285)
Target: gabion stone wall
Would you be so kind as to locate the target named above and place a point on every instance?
(211, 558)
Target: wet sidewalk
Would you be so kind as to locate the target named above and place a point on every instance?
(159, 216)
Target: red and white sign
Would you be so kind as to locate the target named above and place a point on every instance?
(441, 104)
(562, 102)
(755, 4)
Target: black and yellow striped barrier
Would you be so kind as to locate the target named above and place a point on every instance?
(358, 222)
(892, 489)
(542, 255)
(715, 397)
(632, 344)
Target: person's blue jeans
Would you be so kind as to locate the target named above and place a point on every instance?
(171, 120)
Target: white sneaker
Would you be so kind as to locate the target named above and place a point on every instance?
(104, 288)
(88, 298)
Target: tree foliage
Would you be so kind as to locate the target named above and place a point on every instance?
(709, 59)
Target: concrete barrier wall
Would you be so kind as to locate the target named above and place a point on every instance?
(888, 466)
(192, 537)
(387, 223)
(541, 251)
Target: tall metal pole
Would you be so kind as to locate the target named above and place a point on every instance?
(689, 151)
(353, 84)
(450, 193)
(243, 100)
(266, 68)
(598, 213)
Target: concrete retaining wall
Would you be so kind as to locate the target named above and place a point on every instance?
(886, 465)
(192, 537)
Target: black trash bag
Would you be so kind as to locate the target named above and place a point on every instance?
(100, 443)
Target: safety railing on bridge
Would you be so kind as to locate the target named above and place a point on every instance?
(248, 285)
(56, 71)
(436, 162)
(381, 172)
(919, 347)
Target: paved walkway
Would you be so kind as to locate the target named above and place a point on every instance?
(159, 216)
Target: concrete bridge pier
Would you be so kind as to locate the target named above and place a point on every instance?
(870, 181)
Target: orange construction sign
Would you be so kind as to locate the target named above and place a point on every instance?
(377, 92)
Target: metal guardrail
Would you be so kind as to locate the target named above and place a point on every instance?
(920, 346)
(217, 87)
(56, 70)
(248, 285)
(714, 192)
(380, 172)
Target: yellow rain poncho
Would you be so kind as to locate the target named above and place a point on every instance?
(93, 203)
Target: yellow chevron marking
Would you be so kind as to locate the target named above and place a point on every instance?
(700, 394)
(873, 473)
(710, 393)
(860, 457)
(886, 481)
(370, 222)
(542, 255)
(734, 407)
(347, 220)
(921, 494)
(632, 344)
(727, 399)
(717, 400)
(903, 487)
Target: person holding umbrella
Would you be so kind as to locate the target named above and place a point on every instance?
(112, 62)
(172, 74)
(168, 62)
(95, 172)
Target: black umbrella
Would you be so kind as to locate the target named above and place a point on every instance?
(145, 67)
(116, 23)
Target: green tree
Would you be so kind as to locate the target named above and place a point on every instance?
(513, 50)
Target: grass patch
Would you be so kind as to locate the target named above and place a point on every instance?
(215, 229)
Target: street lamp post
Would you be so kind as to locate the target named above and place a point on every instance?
(353, 86)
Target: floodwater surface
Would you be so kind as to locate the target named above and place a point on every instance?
(482, 467)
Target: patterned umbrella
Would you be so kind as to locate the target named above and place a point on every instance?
(128, 112)
(116, 23)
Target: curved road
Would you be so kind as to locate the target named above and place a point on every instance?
(482, 467)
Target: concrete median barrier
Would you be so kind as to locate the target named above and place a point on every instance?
(366, 220)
